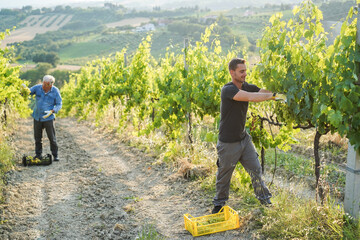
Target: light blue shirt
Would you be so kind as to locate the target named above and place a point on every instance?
(45, 102)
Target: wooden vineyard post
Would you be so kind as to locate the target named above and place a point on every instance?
(186, 45)
(352, 187)
(186, 67)
(125, 60)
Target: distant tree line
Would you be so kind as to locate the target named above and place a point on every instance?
(157, 12)
(35, 75)
(185, 29)
(46, 57)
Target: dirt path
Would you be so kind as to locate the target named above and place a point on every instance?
(100, 189)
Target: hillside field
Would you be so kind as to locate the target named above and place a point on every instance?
(36, 24)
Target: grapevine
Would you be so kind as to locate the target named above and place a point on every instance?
(172, 96)
(318, 79)
(13, 95)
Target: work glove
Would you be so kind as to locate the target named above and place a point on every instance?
(279, 97)
(47, 114)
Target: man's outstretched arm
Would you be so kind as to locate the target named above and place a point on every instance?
(260, 96)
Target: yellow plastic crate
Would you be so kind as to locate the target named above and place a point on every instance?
(224, 220)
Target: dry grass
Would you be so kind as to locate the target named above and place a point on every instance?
(6, 157)
(294, 218)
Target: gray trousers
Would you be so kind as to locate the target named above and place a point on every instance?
(229, 155)
(50, 132)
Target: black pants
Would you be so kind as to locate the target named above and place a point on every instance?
(50, 132)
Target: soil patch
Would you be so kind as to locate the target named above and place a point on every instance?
(100, 189)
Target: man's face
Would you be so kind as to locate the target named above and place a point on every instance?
(46, 86)
(239, 74)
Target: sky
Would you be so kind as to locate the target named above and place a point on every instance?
(125, 3)
(53, 3)
(42, 3)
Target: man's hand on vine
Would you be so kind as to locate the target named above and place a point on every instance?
(279, 97)
(24, 90)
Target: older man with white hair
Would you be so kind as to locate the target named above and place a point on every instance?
(48, 102)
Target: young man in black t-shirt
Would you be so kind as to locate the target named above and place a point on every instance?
(234, 144)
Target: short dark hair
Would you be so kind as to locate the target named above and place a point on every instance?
(234, 62)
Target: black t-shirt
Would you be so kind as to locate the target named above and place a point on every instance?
(233, 113)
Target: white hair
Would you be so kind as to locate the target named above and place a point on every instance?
(49, 78)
